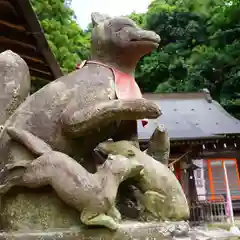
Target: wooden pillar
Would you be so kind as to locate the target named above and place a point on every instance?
(238, 161)
(191, 182)
(184, 177)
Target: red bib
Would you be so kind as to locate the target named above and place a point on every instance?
(125, 85)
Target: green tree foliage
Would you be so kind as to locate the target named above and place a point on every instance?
(138, 18)
(200, 48)
(69, 43)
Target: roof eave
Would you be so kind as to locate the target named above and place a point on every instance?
(42, 44)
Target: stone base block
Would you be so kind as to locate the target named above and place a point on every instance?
(127, 230)
(26, 210)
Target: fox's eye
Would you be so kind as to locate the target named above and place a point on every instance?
(122, 27)
(128, 25)
(130, 153)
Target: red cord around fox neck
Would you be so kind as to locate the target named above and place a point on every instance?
(125, 85)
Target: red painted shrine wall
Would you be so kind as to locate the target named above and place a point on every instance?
(217, 179)
(214, 177)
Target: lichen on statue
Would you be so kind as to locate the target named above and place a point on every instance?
(14, 83)
(82, 107)
(93, 195)
(161, 193)
(68, 121)
(76, 112)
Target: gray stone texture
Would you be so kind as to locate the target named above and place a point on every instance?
(14, 83)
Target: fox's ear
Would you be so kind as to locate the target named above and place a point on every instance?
(98, 18)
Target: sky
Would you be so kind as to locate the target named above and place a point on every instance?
(84, 8)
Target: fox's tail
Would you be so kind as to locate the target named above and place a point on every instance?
(34, 144)
(11, 174)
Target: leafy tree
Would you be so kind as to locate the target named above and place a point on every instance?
(69, 43)
(138, 18)
(180, 33)
(200, 48)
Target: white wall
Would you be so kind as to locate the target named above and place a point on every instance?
(199, 179)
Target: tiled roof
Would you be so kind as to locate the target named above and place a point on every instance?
(190, 116)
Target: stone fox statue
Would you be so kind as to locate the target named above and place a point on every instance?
(77, 111)
(93, 195)
(163, 195)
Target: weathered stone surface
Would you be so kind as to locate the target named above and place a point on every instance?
(36, 209)
(199, 233)
(159, 145)
(93, 195)
(14, 83)
(77, 111)
(127, 230)
(163, 195)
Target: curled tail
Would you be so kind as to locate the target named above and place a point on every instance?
(11, 175)
(18, 165)
(34, 144)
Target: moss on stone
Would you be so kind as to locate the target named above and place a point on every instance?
(36, 209)
(128, 230)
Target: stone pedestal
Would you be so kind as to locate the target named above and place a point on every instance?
(29, 214)
(128, 230)
(36, 209)
(40, 214)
